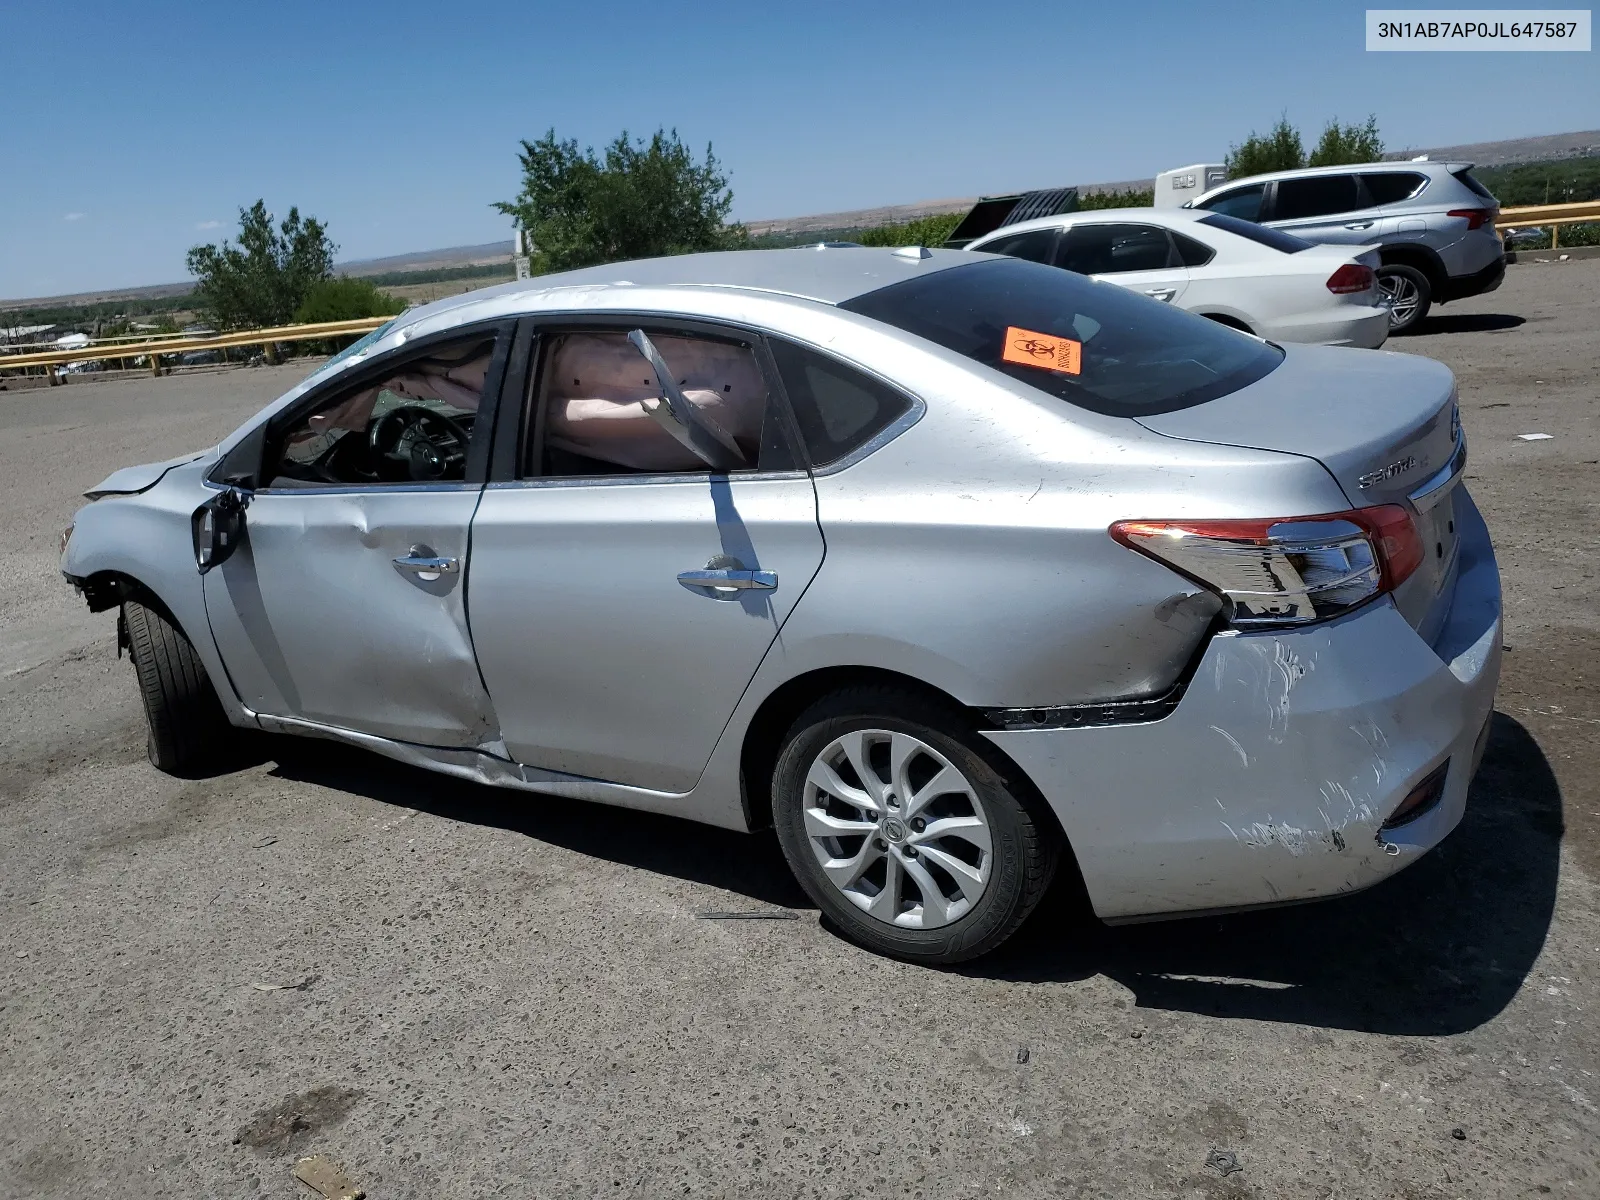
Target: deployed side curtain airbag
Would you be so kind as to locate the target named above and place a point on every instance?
(596, 383)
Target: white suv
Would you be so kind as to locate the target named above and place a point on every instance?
(1433, 224)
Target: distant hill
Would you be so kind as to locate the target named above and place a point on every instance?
(1544, 148)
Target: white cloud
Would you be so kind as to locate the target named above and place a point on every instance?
(209, 225)
(76, 216)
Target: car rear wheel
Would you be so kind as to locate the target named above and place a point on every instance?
(906, 832)
(1406, 293)
(187, 728)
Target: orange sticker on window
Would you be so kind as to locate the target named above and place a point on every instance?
(1043, 350)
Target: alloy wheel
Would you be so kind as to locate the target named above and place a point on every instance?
(897, 828)
(1400, 296)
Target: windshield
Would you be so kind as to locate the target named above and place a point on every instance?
(360, 346)
(1095, 345)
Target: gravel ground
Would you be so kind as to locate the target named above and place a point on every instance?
(459, 992)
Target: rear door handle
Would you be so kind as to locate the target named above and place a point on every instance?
(1164, 294)
(1361, 225)
(730, 580)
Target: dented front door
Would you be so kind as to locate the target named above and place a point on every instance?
(346, 607)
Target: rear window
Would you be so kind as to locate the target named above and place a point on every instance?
(1096, 345)
(1276, 238)
(1465, 176)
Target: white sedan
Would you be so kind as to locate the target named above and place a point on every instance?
(1260, 280)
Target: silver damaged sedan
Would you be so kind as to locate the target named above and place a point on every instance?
(954, 569)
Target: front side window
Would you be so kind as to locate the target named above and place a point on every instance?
(1244, 202)
(1036, 245)
(1091, 344)
(1315, 196)
(591, 416)
(410, 424)
(1391, 187)
(1112, 249)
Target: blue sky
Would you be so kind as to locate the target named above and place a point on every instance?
(134, 131)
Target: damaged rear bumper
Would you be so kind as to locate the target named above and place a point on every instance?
(1271, 780)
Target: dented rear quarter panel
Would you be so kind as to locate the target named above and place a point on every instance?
(1271, 779)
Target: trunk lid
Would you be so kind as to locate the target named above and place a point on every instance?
(1383, 424)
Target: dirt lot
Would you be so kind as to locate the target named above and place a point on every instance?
(498, 995)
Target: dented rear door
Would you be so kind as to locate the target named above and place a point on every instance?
(316, 620)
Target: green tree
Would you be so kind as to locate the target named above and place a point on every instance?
(1279, 150)
(345, 299)
(262, 279)
(641, 199)
(1343, 144)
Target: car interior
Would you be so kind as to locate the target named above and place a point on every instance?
(410, 427)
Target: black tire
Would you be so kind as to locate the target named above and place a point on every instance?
(1230, 322)
(1415, 295)
(1025, 840)
(188, 731)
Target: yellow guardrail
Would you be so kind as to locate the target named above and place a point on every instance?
(155, 348)
(1554, 216)
(1548, 214)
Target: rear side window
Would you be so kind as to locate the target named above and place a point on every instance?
(1112, 249)
(1315, 196)
(1391, 187)
(1037, 245)
(1191, 252)
(838, 408)
(1094, 345)
(1276, 238)
(1465, 176)
(1243, 203)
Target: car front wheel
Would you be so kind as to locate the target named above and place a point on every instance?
(904, 830)
(188, 730)
(1406, 293)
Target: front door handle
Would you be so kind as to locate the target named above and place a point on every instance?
(421, 560)
(729, 580)
(1164, 294)
(1361, 225)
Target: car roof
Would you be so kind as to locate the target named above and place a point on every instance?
(828, 274)
(1144, 216)
(1425, 168)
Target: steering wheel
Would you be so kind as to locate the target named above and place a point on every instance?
(428, 444)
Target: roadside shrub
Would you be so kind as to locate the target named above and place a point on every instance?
(345, 299)
(926, 231)
(1133, 198)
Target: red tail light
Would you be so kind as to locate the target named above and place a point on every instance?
(1352, 277)
(1289, 571)
(1477, 218)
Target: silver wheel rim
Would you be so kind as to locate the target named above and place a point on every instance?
(1400, 297)
(897, 829)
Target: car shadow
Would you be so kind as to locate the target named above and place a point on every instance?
(1467, 323)
(1440, 948)
(747, 865)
